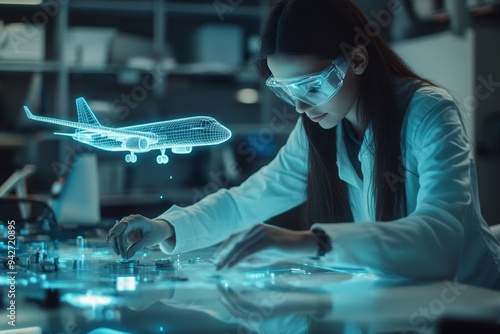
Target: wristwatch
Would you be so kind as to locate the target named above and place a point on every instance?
(323, 240)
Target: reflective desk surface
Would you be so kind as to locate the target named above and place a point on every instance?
(81, 286)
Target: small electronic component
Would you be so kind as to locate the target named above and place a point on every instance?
(125, 266)
(80, 243)
(76, 264)
(194, 260)
(48, 266)
(127, 263)
(163, 263)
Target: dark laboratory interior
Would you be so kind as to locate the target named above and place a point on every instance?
(104, 111)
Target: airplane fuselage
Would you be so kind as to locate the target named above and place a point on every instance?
(175, 134)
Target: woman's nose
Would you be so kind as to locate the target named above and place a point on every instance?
(302, 107)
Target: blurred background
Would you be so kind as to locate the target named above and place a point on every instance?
(145, 61)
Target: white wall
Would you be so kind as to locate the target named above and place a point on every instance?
(462, 64)
(447, 60)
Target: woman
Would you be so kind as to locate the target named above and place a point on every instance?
(375, 145)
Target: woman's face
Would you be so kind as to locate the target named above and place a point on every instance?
(330, 113)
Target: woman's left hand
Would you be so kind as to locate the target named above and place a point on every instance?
(275, 241)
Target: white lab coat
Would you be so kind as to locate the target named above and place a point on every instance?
(443, 237)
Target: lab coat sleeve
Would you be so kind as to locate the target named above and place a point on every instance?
(427, 243)
(275, 188)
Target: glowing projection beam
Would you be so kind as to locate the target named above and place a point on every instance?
(179, 135)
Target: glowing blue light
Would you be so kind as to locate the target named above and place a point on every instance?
(87, 300)
(179, 135)
(126, 283)
(104, 330)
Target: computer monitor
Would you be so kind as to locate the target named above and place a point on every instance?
(77, 203)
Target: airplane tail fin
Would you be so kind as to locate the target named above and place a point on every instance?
(28, 113)
(85, 114)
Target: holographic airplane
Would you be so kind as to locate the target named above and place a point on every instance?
(180, 135)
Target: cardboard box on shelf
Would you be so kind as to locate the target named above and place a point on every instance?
(89, 46)
(20, 41)
(219, 44)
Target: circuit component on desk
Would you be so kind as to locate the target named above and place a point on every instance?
(124, 266)
(163, 263)
(76, 264)
(177, 278)
(48, 266)
(127, 263)
(194, 260)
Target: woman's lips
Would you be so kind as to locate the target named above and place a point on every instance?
(317, 118)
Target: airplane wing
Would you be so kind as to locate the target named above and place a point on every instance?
(117, 134)
(64, 134)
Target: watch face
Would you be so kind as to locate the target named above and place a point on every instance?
(323, 241)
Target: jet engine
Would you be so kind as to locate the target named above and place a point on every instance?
(136, 144)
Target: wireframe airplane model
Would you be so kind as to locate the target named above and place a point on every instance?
(179, 135)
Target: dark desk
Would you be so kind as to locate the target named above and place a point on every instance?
(93, 293)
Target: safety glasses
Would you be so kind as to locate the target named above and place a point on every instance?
(313, 89)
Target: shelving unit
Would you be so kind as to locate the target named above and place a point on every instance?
(185, 86)
(157, 13)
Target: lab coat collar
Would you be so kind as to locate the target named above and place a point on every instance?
(347, 172)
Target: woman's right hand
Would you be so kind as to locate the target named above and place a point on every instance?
(135, 232)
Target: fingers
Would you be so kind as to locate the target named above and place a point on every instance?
(242, 249)
(114, 245)
(137, 246)
(135, 232)
(122, 245)
(119, 233)
(117, 229)
(227, 246)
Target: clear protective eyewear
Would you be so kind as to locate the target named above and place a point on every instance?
(313, 89)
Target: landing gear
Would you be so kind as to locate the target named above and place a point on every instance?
(162, 159)
(131, 157)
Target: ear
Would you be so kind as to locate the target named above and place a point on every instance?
(359, 59)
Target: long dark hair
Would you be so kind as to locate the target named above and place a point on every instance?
(327, 29)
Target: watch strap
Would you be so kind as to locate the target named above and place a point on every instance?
(323, 241)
